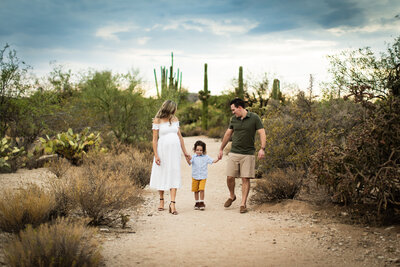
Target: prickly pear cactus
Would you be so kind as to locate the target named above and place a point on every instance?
(70, 145)
(8, 154)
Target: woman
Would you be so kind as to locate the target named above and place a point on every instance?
(167, 146)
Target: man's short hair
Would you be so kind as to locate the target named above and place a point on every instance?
(238, 102)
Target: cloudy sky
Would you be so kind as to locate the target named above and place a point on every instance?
(288, 39)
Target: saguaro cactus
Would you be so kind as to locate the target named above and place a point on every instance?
(204, 95)
(276, 90)
(170, 86)
(240, 89)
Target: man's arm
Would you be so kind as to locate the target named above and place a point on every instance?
(225, 140)
(263, 141)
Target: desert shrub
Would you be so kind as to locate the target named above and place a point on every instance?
(144, 147)
(10, 155)
(220, 110)
(64, 194)
(133, 162)
(189, 114)
(138, 166)
(63, 243)
(292, 134)
(32, 205)
(58, 166)
(101, 191)
(191, 130)
(218, 117)
(365, 169)
(278, 185)
(216, 132)
(340, 116)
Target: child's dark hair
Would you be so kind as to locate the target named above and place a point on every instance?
(200, 143)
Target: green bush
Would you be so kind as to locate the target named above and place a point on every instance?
(63, 243)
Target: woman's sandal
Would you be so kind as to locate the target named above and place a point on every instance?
(170, 210)
(159, 208)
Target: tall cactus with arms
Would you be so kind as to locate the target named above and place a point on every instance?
(170, 86)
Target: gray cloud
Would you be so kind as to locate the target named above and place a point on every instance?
(81, 30)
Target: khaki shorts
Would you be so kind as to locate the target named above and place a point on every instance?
(240, 165)
(198, 185)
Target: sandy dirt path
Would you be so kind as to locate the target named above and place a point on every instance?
(224, 237)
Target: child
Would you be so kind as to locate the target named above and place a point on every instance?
(199, 163)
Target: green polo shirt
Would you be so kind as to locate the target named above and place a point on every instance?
(244, 132)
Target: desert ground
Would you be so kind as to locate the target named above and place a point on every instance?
(288, 233)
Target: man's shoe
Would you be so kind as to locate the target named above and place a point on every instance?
(202, 206)
(228, 203)
(243, 209)
(197, 206)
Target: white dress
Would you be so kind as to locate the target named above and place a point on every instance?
(167, 175)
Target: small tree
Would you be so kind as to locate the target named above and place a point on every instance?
(12, 85)
(363, 75)
(60, 79)
(116, 101)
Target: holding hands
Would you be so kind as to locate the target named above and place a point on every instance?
(188, 158)
(157, 160)
(221, 152)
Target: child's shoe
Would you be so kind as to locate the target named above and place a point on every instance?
(197, 206)
(202, 206)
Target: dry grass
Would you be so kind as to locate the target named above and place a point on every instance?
(31, 205)
(100, 189)
(63, 190)
(63, 243)
(278, 185)
(133, 162)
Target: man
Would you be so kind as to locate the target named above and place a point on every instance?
(241, 160)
